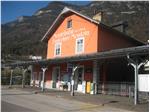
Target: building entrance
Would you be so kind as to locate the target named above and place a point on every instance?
(79, 77)
(55, 76)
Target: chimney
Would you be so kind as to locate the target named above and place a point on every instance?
(98, 17)
(122, 26)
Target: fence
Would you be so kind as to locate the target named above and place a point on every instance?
(116, 88)
(16, 80)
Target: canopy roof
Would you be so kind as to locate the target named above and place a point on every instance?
(117, 53)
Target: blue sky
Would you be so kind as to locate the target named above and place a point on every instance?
(10, 10)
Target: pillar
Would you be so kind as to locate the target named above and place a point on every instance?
(23, 77)
(72, 84)
(135, 66)
(43, 78)
(11, 76)
(31, 69)
(95, 75)
(72, 80)
(104, 78)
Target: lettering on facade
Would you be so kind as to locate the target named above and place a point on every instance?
(71, 33)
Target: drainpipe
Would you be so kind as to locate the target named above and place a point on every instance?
(43, 78)
(11, 75)
(72, 80)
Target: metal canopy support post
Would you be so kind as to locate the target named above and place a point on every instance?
(31, 78)
(72, 80)
(23, 77)
(11, 75)
(95, 75)
(43, 78)
(136, 67)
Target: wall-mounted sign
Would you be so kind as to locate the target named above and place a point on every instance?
(143, 80)
(72, 33)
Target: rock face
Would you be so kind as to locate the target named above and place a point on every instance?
(22, 37)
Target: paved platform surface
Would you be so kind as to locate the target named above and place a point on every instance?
(32, 100)
(8, 107)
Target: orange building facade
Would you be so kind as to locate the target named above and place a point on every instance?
(68, 37)
(73, 34)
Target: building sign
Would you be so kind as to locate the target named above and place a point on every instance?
(64, 36)
(143, 80)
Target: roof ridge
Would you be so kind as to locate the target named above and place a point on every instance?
(67, 9)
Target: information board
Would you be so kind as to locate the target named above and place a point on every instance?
(143, 82)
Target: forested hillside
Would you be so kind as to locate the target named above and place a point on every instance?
(22, 36)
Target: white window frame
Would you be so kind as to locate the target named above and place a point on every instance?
(58, 43)
(69, 21)
(77, 52)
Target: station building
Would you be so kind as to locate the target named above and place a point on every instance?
(73, 34)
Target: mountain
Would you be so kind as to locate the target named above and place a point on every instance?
(22, 36)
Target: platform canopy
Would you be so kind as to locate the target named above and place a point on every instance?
(138, 51)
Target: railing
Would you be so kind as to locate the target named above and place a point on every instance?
(16, 80)
(116, 88)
